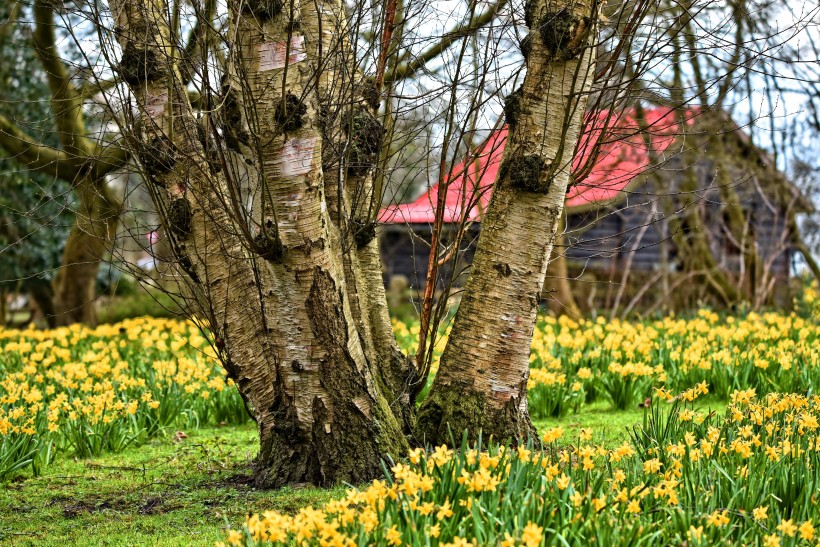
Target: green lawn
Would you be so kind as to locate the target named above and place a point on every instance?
(164, 493)
(180, 491)
(610, 427)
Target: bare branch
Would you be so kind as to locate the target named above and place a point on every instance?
(66, 99)
(40, 157)
(463, 30)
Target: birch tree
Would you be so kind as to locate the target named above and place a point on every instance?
(482, 379)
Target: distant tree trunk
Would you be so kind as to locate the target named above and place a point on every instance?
(88, 242)
(562, 300)
(630, 258)
(689, 231)
(691, 237)
(43, 296)
(481, 384)
(801, 247)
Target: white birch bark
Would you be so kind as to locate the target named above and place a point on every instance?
(481, 384)
(283, 323)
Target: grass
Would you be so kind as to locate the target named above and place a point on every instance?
(180, 491)
(610, 427)
(168, 492)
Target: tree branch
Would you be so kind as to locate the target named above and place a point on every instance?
(89, 89)
(7, 26)
(65, 97)
(79, 157)
(39, 157)
(201, 32)
(108, 157)
(463, 30)
(25, 149)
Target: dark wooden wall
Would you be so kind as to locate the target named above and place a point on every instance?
(599, 242)
(405, 251)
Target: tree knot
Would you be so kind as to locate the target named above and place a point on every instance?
(527, 172)
(139, 64)
(513, 106)
(268, 244)
(235, 133)
(264, 9)
(179, 218)
(158, 156)
(364, 232)
(563, 33)
(289, 113)
(503, 269)
(365, 135)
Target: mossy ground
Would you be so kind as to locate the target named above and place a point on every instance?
(167, 492)
(180, 491)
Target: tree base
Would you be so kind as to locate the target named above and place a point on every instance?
(451, 410)
(349, 453)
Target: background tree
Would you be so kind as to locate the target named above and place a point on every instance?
(34, 213)
(718, 66)
(80, 161)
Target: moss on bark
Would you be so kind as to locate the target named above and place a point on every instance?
(370, 93)
(461, 408)
(139, 65)
(365, 135)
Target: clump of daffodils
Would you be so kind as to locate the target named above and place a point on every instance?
(86, 391)
(660, 487)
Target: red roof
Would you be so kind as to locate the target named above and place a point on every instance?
(622, 156)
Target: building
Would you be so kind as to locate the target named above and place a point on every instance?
(623, 212)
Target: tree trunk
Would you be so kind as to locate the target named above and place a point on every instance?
(43, 295)
(482, 380)
(88, 242)
(349, 107)
(691, 237)
(560, 298)
(274, 286)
